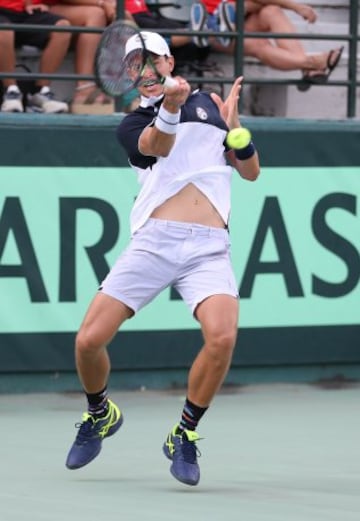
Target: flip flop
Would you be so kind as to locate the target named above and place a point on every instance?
(320, 78)
(330, 66)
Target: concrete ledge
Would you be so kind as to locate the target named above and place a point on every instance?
(331, 376)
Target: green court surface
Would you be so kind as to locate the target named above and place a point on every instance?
(274, 453)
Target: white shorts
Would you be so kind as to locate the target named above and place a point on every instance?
(192, 258)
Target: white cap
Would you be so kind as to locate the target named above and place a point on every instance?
(153, 43)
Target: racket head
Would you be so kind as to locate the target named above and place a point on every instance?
(120, 63)
(116, 72)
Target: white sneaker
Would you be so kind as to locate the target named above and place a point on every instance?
(227, 16)
(44, 102)
(198, 18)
(12, 101)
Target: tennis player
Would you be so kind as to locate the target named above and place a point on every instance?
(175, 142)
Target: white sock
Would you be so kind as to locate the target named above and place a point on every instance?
(13, 88)
(45, 90)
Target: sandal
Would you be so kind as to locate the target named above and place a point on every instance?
(95, 102)
(318, 78)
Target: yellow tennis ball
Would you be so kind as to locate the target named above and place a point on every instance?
(238, 138)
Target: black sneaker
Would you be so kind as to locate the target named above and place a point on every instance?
(181, 449)
(92, 431)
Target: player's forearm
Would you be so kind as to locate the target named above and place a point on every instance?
(154, 142)
(250, 168)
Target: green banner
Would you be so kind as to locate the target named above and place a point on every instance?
(295, 237)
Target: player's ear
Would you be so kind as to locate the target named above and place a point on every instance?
(171, 63)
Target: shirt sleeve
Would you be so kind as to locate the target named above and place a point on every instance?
(128, 133)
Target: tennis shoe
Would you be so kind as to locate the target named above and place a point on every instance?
(12, 101)
(44, 102)
(227, 16)
(92, 431)
(180, 448)
(198, 19)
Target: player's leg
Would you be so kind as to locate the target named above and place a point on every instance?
(103, 418)
(208, 286)
(137, 277)
(218, 316)
(102, 320)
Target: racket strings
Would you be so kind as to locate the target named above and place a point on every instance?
(112, 64)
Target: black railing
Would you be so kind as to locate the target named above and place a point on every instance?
(352, 38)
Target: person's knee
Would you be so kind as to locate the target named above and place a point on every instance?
(7, 38)
(221, 344)
(60, 36)
(85, 343)
(63, 23)
(95, 17)
(269, 12)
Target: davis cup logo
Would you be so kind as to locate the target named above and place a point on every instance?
(201, 114)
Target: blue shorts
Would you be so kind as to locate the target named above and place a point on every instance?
(192, 258)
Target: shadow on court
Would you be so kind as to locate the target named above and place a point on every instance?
(274, 453)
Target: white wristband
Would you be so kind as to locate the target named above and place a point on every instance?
(167, 121)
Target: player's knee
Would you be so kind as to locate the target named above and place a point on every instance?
(221, 345)
(85, 343)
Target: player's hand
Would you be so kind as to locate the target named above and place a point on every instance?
(229, 109)
(176, 96)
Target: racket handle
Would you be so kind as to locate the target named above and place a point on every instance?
(169, 82)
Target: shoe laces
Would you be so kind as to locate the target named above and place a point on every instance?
(86, 428)
(48, 95)
(13, 95)
(188, 447)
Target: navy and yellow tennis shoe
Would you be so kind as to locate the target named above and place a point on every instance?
(180, 448)
(92, 431)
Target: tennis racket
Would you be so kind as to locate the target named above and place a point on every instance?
(118, 71)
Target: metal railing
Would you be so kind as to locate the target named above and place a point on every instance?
(352, 38)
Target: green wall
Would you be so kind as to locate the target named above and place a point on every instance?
(66, 192)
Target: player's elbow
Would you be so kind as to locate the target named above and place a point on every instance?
(251, 174)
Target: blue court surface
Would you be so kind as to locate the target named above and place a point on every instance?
(271, 452)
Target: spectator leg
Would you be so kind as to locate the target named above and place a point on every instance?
(7, 56)
(54, 53)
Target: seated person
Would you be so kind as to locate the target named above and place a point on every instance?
(181, 46)
(86, 13)
(266, 16)
(55, 46)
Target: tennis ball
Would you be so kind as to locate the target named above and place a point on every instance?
(238, 138)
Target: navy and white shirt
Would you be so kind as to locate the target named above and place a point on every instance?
(197, 157)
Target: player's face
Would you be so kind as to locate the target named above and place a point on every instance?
(149, 84)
